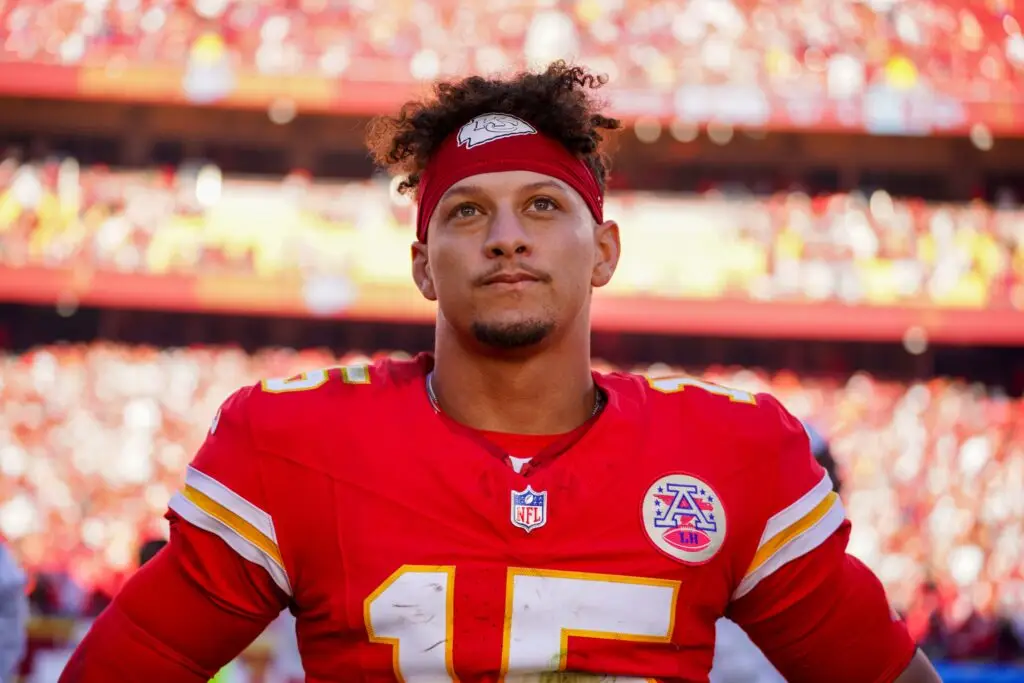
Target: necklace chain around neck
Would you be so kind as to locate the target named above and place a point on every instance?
(599, 401)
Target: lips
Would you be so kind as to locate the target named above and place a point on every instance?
(510, 278)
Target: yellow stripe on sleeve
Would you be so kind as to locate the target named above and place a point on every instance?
(234, 522)
(793, 540)
(774, 544)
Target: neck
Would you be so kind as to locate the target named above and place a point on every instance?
(550, 392)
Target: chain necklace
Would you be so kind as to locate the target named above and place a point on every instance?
(599, 401)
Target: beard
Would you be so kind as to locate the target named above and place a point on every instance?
(507, 336)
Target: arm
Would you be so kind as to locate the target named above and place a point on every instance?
(13, 614)
(184, 615)
(825, 616)
(816, 612)
(215, 587)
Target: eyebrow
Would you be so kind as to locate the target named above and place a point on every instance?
(476, 189)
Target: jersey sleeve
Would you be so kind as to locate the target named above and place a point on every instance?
(798, 502)
(816, 612)
(213, 589)
(184, 615)
(224, 493)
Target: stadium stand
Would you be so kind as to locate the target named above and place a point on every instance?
(852, 248)
(955, 47)
(97, 436)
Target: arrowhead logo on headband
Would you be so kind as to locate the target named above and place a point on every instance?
(491, 127)
(465, 153)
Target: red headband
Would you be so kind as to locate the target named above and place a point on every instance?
(501, 142)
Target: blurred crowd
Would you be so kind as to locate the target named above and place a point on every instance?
(968, 50)
(95, 439)
(854, 248)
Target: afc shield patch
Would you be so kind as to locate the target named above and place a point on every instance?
(529, 509)
(684, 518)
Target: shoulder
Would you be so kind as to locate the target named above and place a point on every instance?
(263, 430)
(256, 481)
(752, 449)
(739, 416)
(752, 435)
(769, 439)
(748, 438)
(324, 388)
(323, 398)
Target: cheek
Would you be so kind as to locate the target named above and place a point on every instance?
(572, 275)
(578, 260)
(449, 272)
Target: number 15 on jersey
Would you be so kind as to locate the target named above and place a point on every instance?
(412, 612)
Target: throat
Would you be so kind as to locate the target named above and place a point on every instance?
(527, 419)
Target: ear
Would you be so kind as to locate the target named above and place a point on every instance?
(606, 256)
(421, 271)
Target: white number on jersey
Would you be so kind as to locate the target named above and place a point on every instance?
(412, 611)
(673, 385)
(314, 379)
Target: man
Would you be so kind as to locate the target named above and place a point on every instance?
(13, 614)
(497, 507)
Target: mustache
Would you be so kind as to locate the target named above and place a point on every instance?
(539, 275)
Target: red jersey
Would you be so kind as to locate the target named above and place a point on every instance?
(409, 552)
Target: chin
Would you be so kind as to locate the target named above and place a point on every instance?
(519, 333)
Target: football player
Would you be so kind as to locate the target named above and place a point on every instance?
(497, 510)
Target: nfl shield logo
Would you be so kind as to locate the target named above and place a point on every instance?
(529, 509)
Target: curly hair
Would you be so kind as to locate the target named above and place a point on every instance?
(557, 102)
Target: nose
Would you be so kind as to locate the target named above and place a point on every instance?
(506, 236)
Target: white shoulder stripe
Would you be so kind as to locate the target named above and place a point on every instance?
(194, 515)
(786, 518)
(221, 494)
(797, 546)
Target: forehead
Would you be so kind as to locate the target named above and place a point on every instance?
(502, 183)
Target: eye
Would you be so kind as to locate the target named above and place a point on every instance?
(543, 204)
(464, 210)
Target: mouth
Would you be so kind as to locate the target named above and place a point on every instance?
(510, 281)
